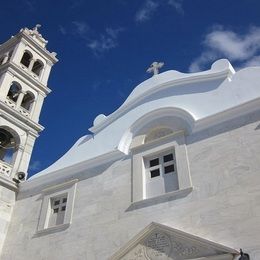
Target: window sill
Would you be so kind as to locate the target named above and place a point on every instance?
(160, 199)
(51, 230)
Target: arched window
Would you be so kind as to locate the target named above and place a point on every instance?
(26, 59)
(8, 146)
(160, 166)
(37, 67)
(27, 101)
(14, 91)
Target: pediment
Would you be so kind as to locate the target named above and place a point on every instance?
(160, 242)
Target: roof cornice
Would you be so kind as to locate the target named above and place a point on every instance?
(9, 66)
(37, 46)
(8, 184)
(22, 34)
(79, 171)
(129, 104)
(23, 122)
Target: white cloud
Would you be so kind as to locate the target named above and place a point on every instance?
(150, 7)
(177, 4)
(105, 41)
(62, 29)
(221, 43)
(146, 12)
(255, 61)
(113, 32)
(81, 28)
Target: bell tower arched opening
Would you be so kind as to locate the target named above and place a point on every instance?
(37, 67)
(27, 101)
(26, 59)
(9, 143)
(14, 91)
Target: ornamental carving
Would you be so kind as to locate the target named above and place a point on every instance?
(162, 245)
(183, 250)
(157, 246)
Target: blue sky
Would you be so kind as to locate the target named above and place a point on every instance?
(105, 47)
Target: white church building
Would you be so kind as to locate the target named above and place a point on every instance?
(172, 174)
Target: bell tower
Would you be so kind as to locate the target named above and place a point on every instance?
(25, 65)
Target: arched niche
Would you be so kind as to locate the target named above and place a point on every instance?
(14, 91)
(157, 133)
(158, 122)
(9, 143)
(28, 100)
(37, 67)
(26, 59)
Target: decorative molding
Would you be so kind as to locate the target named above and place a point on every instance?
(8, 183)
(26, 124)
(15, 70)
(160, 242)
(74, 171)
(64, 185)
(37, 46)
(22, 34)
(226, 115)
(68, 188)
(51, 230)
(160, 199)
(129, 104)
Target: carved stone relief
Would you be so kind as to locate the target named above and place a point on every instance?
(157, 246)
(161, 245)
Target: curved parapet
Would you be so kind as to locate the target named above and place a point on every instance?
(177, 101)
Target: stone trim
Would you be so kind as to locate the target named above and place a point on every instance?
(68, 188)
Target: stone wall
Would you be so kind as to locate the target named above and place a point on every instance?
(7, 200)
(223, 206)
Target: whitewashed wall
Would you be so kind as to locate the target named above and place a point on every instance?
(223, 207)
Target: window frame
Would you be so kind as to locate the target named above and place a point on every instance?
(174, 142)
(67, 189)
(161, 163)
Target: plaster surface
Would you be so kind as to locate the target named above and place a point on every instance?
(223, 206)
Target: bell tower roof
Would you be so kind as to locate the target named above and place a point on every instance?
(35, 34)
(33, 38)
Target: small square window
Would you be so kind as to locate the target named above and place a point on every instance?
(56, 202)
(160, 173)
(57, 205)
(168, 157)
(169, 169)
(154, 162)
(160, 167)
(58, 210)
(155, 173)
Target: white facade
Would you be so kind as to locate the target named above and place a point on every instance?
(172, 174)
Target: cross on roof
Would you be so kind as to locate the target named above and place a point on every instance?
(154, 67)
(36, 27)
